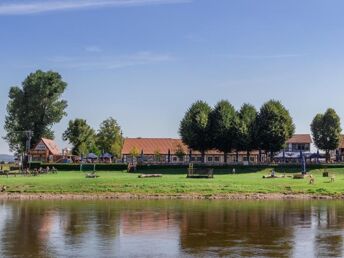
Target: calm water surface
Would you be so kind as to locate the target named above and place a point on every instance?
(171, 228)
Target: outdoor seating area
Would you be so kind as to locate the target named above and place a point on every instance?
(29, 172)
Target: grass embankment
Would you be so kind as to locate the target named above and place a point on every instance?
(174, 182)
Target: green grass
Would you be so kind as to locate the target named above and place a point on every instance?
(174, 182)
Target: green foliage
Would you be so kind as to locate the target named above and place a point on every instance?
(244, 133)
(109, 137)
(274, 126)
(222, 124)
(194, 127)
(179, 152)
(157, 155)
(81, 136)
(326, 130)
(134, 152)
(35, 106)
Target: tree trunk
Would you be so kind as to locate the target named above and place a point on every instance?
(328, 156)
(237, 156)
(248, 156)
(203, 156)
(225, 157)
(271, 156)
(260, 156)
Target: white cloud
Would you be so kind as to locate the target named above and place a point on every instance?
(31, 7)
(93, 49)
(110, 63)
(275, 56)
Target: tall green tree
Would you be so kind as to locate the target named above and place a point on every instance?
(81, 136)
(326, 131)
(222, 127)
(35, 106)
(244, 129)
(109, 137)
(274, 126)
(194, 127)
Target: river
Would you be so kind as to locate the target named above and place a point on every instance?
(171, 228)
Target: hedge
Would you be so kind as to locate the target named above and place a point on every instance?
(145, 167)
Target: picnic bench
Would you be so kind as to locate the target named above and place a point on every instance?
(7, 173)
(200, 172)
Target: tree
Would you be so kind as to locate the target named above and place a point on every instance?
(274, 126)
(222, 120)
(134, 152)
(244, 129)
(109, 137)
(36, 107)
(81, 136)
(326, 131)
(194, 127)
(157, 155)
(179, 152)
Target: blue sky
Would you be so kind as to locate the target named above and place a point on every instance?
(145, 61)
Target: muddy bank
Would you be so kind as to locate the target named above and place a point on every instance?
(127, 196)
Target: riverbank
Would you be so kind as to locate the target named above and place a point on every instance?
(173, 185)
(124, 196)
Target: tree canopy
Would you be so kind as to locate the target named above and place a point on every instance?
(244, 128)
(274, 126)
(326, 130)
(81, 136)
(222, 126)
(109, 137)
(194, 127)
(35, 106)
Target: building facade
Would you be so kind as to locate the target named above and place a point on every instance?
(169, 150)
(45, 151)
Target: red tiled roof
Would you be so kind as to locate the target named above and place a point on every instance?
(300, 138)
(52, 146)
(153, 145)
(150, 146)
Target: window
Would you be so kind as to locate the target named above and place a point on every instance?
(174, 159)
(199, 159)
(252, 159)
(217, 159)
(244, 158)
(193, 159)
(210, 159)
(181, 159)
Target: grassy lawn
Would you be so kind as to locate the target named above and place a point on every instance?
(173, 182)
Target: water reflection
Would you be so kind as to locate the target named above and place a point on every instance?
(171, 228)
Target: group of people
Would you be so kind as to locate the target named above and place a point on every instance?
(41, 170)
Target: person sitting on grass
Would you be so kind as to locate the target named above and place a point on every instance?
(272, 173)
(311, 179)
(54, 170)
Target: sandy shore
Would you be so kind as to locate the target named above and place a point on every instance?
(125, 196)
